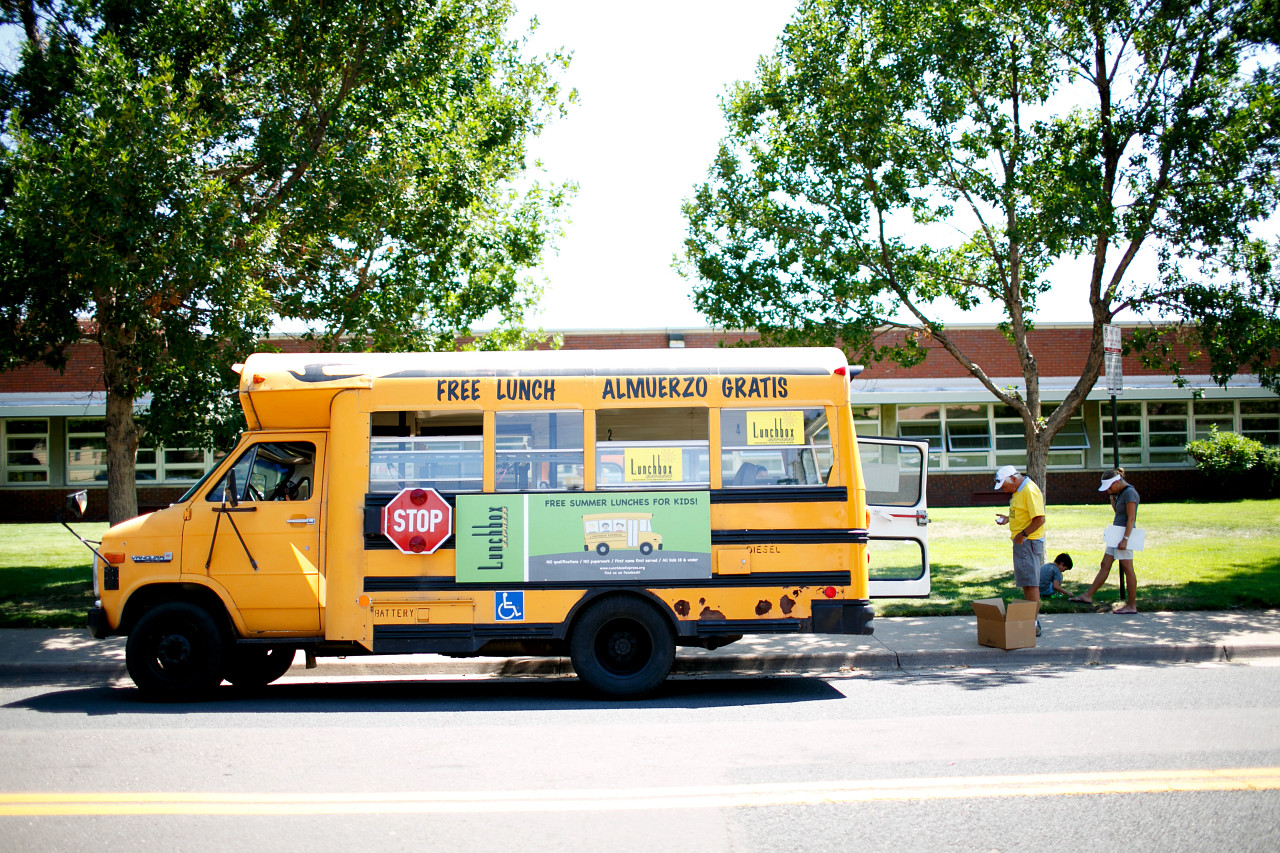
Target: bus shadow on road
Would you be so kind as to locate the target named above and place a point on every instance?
(430, 695)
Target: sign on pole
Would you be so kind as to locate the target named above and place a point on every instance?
(1111, 364)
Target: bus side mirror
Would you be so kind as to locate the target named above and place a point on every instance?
(77, 502)
(229, 490)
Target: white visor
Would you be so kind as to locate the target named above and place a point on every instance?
(1106, 484)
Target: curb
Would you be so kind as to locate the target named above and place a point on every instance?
(721, 665)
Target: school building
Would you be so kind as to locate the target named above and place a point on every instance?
(52, 427)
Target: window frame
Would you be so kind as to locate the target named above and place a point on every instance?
(11, 469)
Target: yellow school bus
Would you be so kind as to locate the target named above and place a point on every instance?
(438, 502)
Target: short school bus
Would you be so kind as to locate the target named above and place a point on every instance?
(439, 502)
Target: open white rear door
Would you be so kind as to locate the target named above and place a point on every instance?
(895, 472)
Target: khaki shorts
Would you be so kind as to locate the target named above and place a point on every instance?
(1027, 560)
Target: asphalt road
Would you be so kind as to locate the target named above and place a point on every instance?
(1172, 757)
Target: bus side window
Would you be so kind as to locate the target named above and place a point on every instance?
(775, 447)
(658, 447)
(538, 451)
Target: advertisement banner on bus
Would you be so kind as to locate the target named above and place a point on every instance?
(614, 536)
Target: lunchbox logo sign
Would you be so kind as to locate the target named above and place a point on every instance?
(775, 428)
(653, 465)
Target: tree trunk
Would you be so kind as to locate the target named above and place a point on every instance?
(122, 437)
(122, 451)
(1038, 461)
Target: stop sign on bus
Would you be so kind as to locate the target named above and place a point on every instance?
(417, 521)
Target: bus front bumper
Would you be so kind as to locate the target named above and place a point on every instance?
(843, 617)
(98, 626)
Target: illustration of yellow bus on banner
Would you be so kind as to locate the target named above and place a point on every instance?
(632, 531)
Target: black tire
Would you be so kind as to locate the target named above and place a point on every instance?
(253, 667)
(646, 549)
(602, 548)
(622, 647)
(175, 653)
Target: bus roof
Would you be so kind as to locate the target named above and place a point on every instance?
(277, 371)
(294, 390)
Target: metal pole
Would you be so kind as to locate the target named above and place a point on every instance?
(1115, 435)
(1115, 455)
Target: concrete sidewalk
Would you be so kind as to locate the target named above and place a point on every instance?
(898, 643)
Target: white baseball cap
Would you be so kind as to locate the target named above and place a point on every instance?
(1005, 472)
(1107, 482)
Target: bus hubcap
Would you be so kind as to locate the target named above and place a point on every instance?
(174, 650)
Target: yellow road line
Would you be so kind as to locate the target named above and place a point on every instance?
(31, 804)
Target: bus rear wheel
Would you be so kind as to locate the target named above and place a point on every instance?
(622, 647)
(252, 667)
(174, 653)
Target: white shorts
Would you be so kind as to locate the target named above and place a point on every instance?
(1119, 554)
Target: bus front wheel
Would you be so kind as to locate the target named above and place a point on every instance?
(174, 653)
(623, 648)
(602, 548)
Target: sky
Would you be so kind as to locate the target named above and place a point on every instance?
(646, 127)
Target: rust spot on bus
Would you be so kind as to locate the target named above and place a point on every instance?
(763, 607)
(682, 608)
(708, 613)
(786, 604)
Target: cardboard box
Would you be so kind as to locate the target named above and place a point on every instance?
(1006, 627)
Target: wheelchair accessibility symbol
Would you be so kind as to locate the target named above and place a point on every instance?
(509, 606)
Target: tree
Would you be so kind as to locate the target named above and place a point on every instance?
(1039, 131)
(175, 176)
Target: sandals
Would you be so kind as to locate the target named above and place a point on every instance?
(1125, 610)
(1078, 600)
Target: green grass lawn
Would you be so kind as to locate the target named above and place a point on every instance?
(1211, 556)
(44, 575)
(1199, 556)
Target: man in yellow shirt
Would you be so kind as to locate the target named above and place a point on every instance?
(1026, 524)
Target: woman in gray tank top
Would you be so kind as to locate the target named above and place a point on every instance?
(1124, 500)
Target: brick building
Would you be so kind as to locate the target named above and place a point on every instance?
(51, 424)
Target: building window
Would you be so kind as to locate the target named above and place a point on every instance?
(1166, 433)
(86, 450)
(1214, 414)
(1128, 434)
(923, 423)
(538, 451)
(866, 419)
(172, 465)
(87, 457)
(1260, 420)
(184, 464)
(968, 431)
(26, 450)
(1065, 451)
(1151, 433)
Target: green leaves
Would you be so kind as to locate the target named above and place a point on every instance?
(185, 174)
(894, 155)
